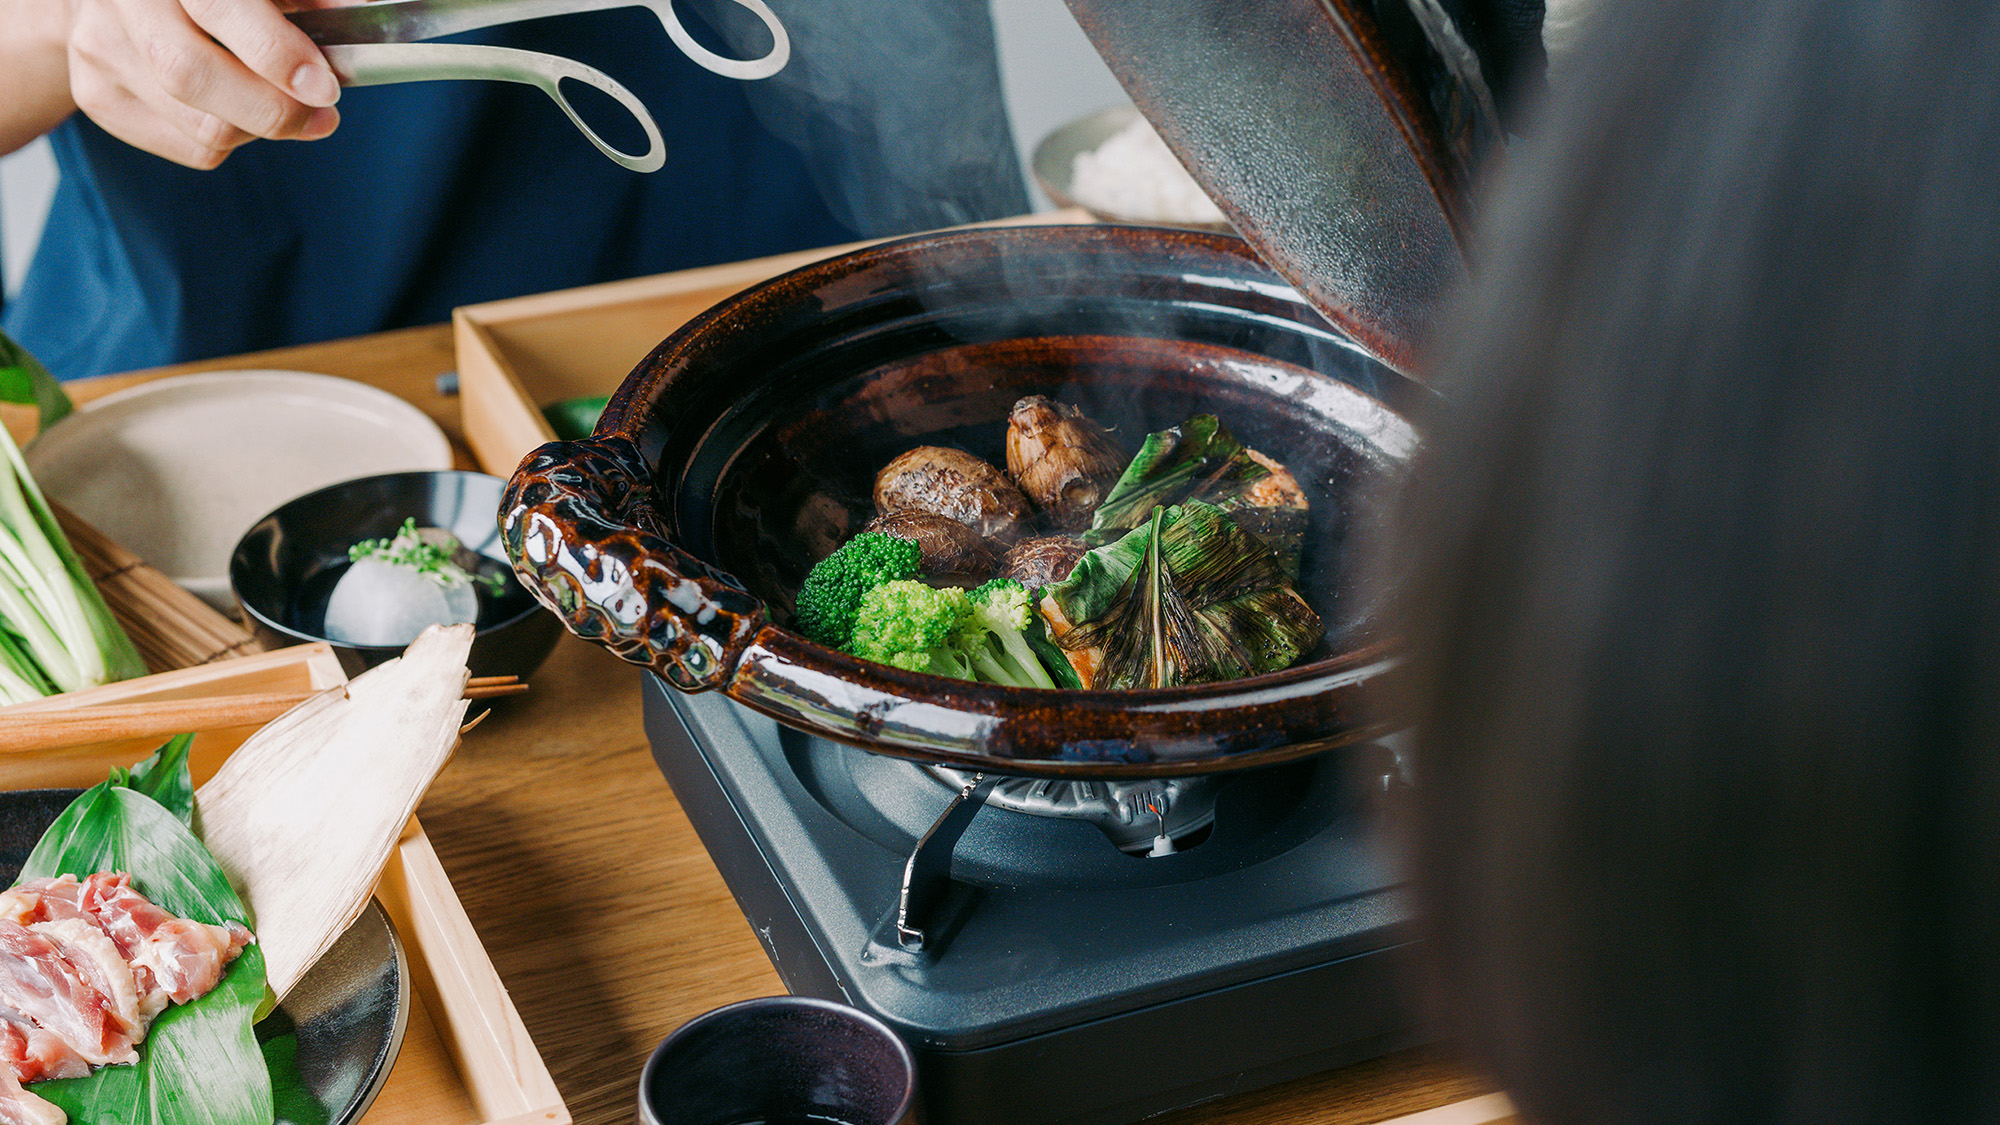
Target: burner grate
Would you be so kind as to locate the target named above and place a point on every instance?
(1152, 817)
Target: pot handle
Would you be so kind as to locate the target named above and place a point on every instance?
(583, 532)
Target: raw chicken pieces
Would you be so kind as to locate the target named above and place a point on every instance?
(84, 967)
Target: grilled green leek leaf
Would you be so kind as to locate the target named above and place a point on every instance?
(1201, 460)
(200, 1063)
(1190, 597)
(1198, 459)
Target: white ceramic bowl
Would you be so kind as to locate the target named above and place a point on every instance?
(178, 469)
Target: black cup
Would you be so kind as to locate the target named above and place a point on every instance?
(780, 1059)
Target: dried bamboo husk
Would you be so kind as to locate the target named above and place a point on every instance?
(305, 814)
(170, 627)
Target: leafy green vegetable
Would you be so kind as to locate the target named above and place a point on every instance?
(200, 1063)
(1188, 598)
(574, 418)
(1200, 460)
(56, 633)
(25, 381)
(1053, 660)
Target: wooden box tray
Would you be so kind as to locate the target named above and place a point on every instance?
(466, 1057)
(517, 356)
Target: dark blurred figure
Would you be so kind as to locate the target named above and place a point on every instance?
(1705, 618)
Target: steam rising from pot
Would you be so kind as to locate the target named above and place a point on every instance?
(897, 105)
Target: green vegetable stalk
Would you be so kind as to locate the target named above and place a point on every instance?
(56, 633)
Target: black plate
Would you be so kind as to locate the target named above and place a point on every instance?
(349, 1010)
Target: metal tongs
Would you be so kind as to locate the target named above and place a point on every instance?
(372, 44)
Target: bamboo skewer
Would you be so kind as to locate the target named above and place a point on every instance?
(113, 722)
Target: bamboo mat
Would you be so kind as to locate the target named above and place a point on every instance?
(171, 628)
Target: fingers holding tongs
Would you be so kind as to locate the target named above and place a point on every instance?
(376, 43)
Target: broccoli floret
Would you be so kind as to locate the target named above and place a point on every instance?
(913, 626)
(993, 636)
(833, 588)
(981, 635)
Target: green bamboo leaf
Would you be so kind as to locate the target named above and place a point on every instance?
(164, 777)
(294, 1101)
(200, 1063)
(24, 380)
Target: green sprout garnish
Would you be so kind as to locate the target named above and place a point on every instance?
(428, 557)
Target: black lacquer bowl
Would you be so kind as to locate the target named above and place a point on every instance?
(284, 569)
(744, 448)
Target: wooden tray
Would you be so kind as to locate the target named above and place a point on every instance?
(519, 355)
(466, 1057)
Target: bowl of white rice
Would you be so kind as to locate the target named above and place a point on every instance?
(1112, 164)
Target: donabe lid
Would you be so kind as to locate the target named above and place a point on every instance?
(1338, 136)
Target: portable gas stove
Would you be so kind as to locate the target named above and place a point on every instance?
(1060, 952)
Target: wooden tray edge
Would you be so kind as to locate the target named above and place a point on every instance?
(475, 1018)
(503, 423)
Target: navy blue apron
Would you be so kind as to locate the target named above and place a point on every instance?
(437, 194)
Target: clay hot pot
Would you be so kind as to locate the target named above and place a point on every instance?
(744, 448)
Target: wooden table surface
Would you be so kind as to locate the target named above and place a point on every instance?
(601, 910)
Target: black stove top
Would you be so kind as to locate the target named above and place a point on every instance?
(1097, 953)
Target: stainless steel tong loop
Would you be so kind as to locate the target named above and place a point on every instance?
(374, 43)
(370, 64)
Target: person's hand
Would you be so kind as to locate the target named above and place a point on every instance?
(190, 80)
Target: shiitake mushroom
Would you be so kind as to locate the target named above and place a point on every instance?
(1064, 462)
(952, 554)
(954, 483)
(1042, 559)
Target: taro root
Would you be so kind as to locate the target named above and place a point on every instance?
(1036, 562)
(952, 554)
(1062, 460)
(1279, 490)
(952, 482)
